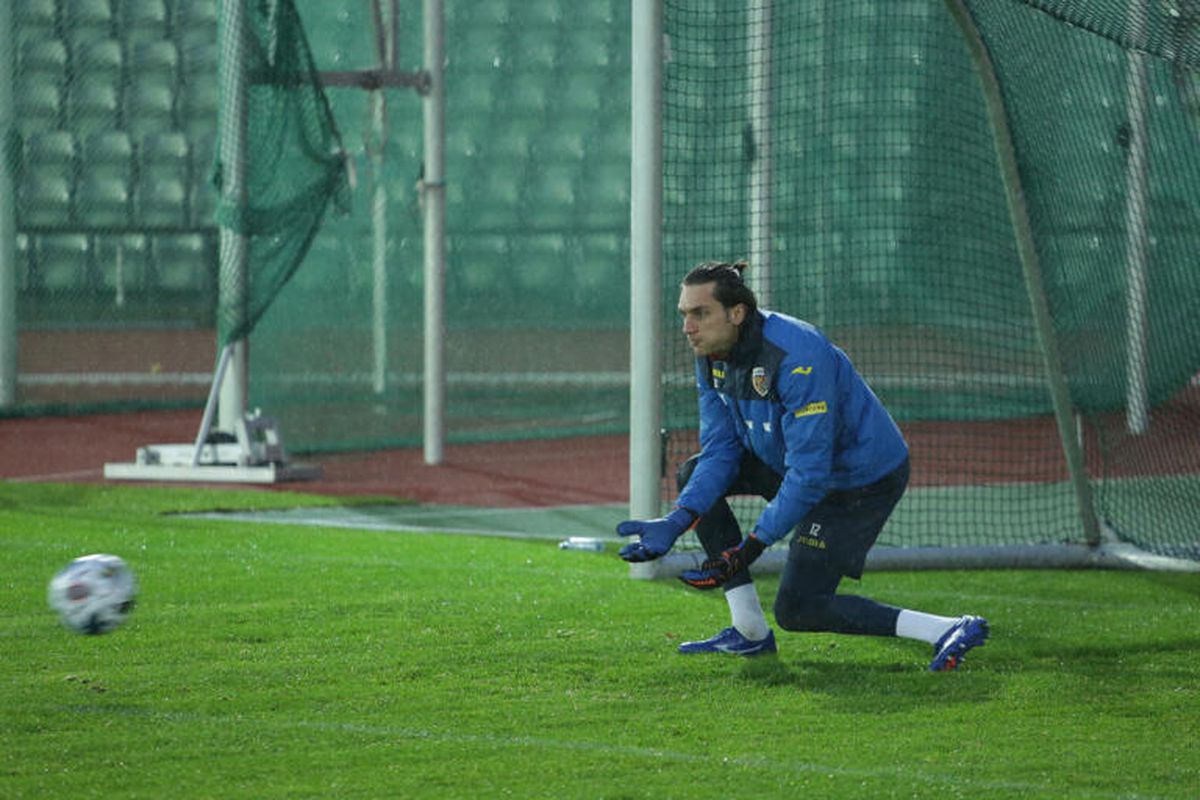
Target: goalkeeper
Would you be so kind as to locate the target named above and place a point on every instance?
(784, 415)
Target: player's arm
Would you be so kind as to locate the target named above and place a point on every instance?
(720, 455)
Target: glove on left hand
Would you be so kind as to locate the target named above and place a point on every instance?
(717, 571)
(657, 535)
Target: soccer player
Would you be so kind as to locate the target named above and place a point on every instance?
(784, 415)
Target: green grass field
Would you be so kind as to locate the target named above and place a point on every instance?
(276, 661)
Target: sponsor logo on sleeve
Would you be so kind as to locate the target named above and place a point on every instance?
(812, 409)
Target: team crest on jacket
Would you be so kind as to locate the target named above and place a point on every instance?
(758, 379)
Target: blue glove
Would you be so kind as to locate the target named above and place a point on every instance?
(657, 535)
(717, 571)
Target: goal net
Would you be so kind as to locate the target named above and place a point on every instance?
(857, 154)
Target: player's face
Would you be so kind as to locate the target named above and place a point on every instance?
(710, 328)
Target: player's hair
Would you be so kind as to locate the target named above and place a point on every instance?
(730, 288)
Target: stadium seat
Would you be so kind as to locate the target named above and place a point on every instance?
(164, 179)
(492, 199)
(39, 15)
(198, 102)
(540, 262)
(48, 179)
(62, 262)
(44, 198)
(149, 108)
(102, 201)
(155, 61)
(196, 15)
(39, 104)
(102, 56)
(184, 263)
(88, 19)
(108, 153)
(47, 56)
(144, 20)
(93, 104)
(552, 191)
(482, 262)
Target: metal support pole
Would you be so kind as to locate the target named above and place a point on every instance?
(1056, 381)
(434, 194)
(233, 283)
(1137, 353)
(379, 205)
(210, 405)
(646, 243)
(759, 51)
(8, 213)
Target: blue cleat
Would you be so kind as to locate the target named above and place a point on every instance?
(731, 641)
(950, 650)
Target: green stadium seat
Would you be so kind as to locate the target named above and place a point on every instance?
(540, 262)
(169, 148)
(24, 261)
(197, 57)
(108, 153)
(39, 15)
(62, 263)
(196, 15)
(88, 18)
(493, 197)
(44, 198)
(144, 20)
(100, 56)
(94, 104)
(102, 201)
(605, 203)
(149, 108)
(154, 61)
(198, 102)
(600, 258)
(39, 104)
(51, 151)
(184, 263)
(482, 263)
(553, 193)
(164, 180)
(45, 56)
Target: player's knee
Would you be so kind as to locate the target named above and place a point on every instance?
(684, 473)
(809, 613)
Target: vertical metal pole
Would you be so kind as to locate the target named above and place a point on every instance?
(1137, 354)
(1056, 381)
(8, 213)
(434, 193)
(646, 243)
(233, 284)
(759, 47)
(379, 206)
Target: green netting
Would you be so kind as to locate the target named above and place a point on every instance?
(292, 157)
(889, 229)
(537, 216)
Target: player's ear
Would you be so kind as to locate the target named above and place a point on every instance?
(737, 314)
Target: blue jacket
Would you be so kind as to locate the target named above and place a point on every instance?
(791, 397)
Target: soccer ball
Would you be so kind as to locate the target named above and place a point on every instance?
(93, 594)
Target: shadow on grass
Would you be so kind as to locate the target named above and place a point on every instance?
(898, 686)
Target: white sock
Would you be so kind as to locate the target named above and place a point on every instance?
(747, 612)
(922, 626)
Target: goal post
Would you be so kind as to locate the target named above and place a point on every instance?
(1000, 241)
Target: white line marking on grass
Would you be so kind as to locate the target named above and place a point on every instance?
(605, 749)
